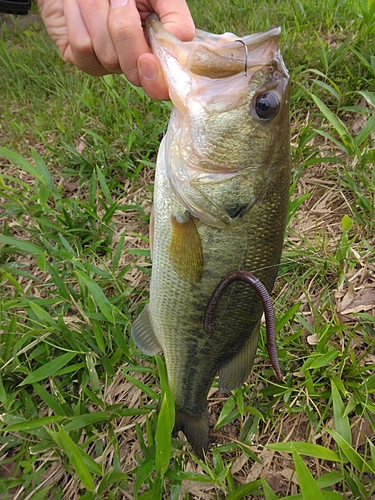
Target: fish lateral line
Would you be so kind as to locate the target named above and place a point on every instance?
(250, 279)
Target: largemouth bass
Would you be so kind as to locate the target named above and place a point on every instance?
(220, 205)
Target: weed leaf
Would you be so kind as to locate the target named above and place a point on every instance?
(42, 167)
(351, 454)
(43, 316)
(267, 490)
(244, 490)
(309, 488)
(74, 454)
(22, 163)
(163, 438)
(331, 117)
(369, 96)
(97, 293)
(85, 420)
(23, 246)
(48, 369)
(342, 424)
(50, 401)
(367, 129)
(163, 435)
(226, 414)
(308, 449)
(32, 424)
(177, 475)
(322, 360)
(143, 472)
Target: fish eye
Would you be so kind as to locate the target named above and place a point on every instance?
(266, 105)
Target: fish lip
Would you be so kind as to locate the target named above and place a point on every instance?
(154, 25)
(255, 39)
(273, 33)
(261, 48)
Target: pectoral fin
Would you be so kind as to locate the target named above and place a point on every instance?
(143, 333)
(185, 249)
(234, 373)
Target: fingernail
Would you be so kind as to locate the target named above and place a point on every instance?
(148, 70)
(118, 3)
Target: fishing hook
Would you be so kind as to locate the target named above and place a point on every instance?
(246, 55)
(208, 322)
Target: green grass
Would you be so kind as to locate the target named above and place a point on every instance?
(78, 400)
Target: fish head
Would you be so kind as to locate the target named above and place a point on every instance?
(231, 112)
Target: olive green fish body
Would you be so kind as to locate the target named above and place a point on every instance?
(220, 205)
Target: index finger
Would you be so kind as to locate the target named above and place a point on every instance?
(125, 26)
(175, 17)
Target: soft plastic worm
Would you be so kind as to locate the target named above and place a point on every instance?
(209, 316)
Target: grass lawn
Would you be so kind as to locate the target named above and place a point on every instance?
(77, 399)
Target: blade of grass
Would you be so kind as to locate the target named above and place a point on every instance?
(245, 489)
(351, 454)
(267, 490)
(23, 246)
(309, 488)
(166, 418)
(101, 300)
(308, 449)
(32, 424)
(22, 163)
(74, 455)
(48, 369)
(342, 424)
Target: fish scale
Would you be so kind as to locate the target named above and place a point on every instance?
(220, 205)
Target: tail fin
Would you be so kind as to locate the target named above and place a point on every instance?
(196, 430)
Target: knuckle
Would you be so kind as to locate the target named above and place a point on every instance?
(109, 59)
(122, 29)
(83, 46)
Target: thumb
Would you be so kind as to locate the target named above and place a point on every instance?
(151, 76)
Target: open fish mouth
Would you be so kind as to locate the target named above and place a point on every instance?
(217, 56)
(210, 78)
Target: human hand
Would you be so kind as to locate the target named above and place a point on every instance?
(107, 36)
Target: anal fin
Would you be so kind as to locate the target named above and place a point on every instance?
(233, 374)
(143, 334)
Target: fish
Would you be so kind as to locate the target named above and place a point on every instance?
(220, 205)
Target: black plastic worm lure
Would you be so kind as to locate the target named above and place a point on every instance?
(209, 316)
